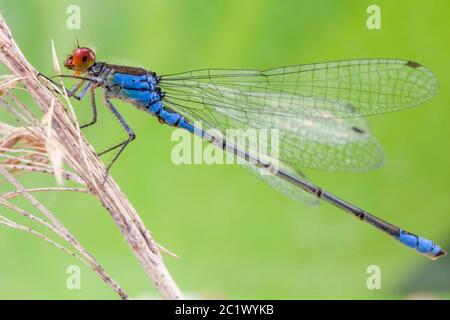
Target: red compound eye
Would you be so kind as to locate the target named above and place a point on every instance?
(80, 60)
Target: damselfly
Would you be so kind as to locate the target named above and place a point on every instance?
(317, 108)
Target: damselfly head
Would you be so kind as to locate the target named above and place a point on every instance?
(80, 60)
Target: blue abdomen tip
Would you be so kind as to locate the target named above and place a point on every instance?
(408, 239)
(422, 245)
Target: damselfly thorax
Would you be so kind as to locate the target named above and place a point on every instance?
(134, 85)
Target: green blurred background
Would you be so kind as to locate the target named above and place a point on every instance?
(238, 238)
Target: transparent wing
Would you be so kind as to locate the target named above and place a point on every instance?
(316, 109)
(327, 144)
(330, 89)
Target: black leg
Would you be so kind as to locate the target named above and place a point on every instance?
(123, 144)
(94, 110)
(71, 92)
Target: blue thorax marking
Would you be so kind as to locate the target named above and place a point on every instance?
(134, 82)
(140, 89)
(140, 98)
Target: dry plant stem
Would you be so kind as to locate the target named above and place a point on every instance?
(80, 156)
(67, 175)
(14, 194)
(59, 229)
(6, 222)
